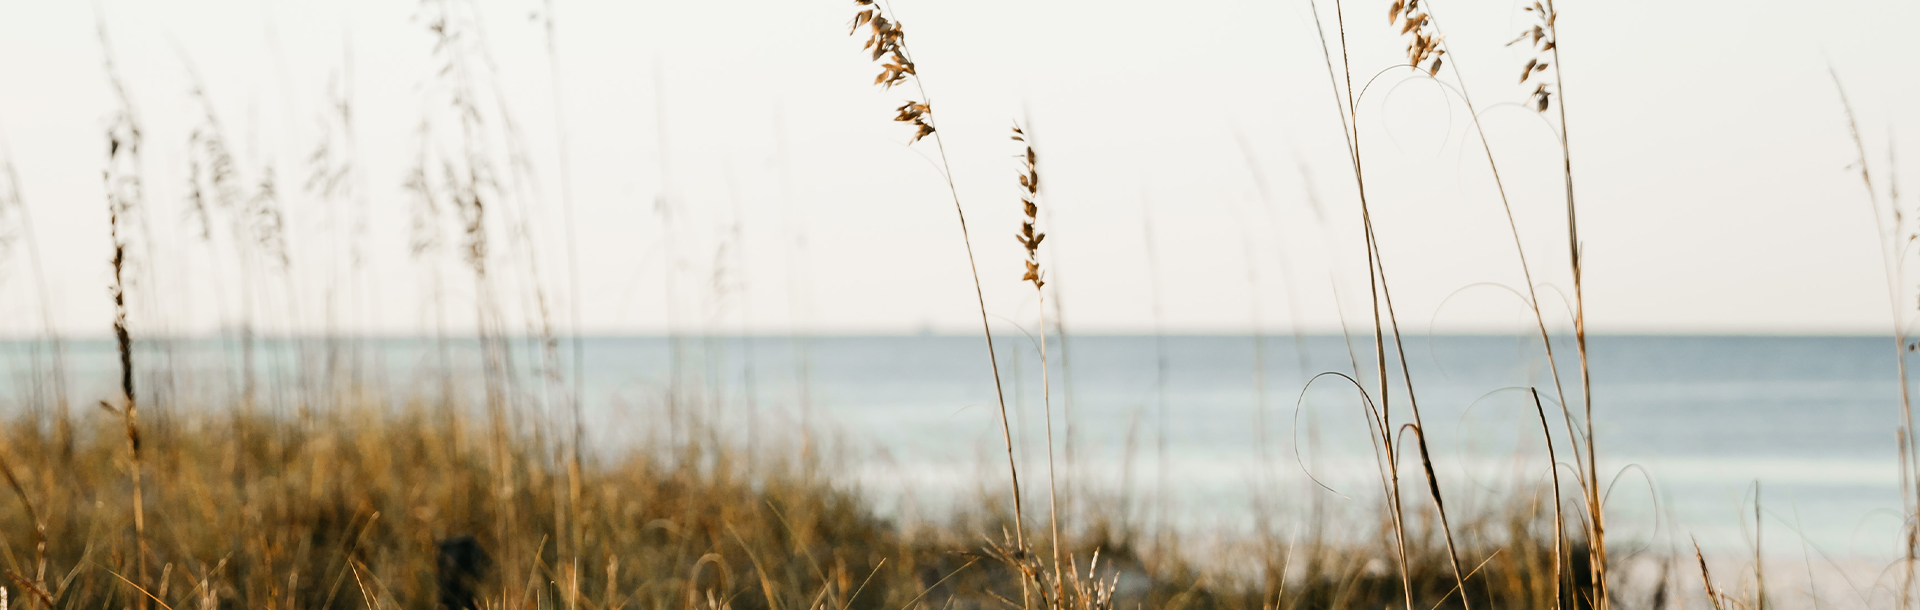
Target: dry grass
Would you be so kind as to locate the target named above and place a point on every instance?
(274, 513)
(887, 42)
(124, 199)
(1427, 42)
(356, 509)
(441, 504)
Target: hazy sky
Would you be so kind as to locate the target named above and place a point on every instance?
(1711, 156)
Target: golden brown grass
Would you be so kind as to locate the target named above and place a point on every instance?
(887, 42)
(346, 511)
(272, 513)
(358, 505)
(1427, 42)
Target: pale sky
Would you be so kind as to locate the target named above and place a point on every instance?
(1711, 159)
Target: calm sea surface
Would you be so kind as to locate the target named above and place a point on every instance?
(1186, 425)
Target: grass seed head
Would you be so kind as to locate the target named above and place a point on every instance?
(1540, 36)
(1030, 191)
(887, 45)
(1426, 39)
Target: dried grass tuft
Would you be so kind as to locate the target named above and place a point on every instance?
(1425, 42)
(1541, 38)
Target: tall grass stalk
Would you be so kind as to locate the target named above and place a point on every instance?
(1575, 248)
(1559, 520)
(1381, 423)
(1544, 36)
(1425, 46)
(1428, 42)
(1064, 352)
(1031, 239)
(889, 42)
(1595, 499)
(472, 185)
(124, 199)
(1887, 220)
(1427, 39)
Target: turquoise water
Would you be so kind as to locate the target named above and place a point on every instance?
(1693, 421)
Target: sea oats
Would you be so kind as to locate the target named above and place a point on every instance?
(1425, 43)
(887, 43)
(1540, 37)
(125, 197)
(1030, 191)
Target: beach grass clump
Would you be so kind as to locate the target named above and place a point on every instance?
(390, 498)
(362, 509)
(393, 507)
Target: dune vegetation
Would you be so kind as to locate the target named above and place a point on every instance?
(335, 490)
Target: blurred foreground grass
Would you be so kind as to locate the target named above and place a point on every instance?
(421, 508)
